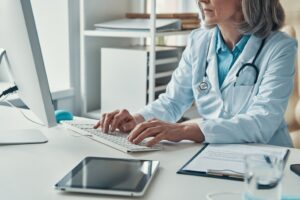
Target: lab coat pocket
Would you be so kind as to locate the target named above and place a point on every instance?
(240, 97)
(209, 103)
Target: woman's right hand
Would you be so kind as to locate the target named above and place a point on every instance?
(119, 119)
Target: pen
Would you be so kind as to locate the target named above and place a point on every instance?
(235, 175)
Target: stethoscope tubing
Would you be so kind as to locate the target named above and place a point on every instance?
(252, 64)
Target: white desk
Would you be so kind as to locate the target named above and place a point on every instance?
(29, 172)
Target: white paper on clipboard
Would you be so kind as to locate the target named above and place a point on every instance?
(229, 157)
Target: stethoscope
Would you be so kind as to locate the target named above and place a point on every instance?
(205, 85)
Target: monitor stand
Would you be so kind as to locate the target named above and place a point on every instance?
(26, 136)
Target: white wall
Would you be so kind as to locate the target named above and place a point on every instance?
(51, 18)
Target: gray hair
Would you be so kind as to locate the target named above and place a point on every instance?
(260, 17)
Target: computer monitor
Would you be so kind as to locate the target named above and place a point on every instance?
(19, 39)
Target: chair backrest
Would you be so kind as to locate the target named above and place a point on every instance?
(292, 115)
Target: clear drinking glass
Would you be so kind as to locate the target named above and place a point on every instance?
(263, 174)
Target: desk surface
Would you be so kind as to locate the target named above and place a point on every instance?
(29, 172)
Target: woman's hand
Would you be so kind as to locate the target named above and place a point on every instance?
(119, 119)
(160, 130)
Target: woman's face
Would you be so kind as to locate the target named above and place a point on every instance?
(218, 11)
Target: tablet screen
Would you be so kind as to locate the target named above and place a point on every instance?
(110, 174)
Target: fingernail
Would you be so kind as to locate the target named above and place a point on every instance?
(148, 145)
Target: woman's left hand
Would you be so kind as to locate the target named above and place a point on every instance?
(160, 130)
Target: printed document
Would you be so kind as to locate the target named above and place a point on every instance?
(229, 157)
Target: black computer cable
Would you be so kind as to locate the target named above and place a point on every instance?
(9, 91)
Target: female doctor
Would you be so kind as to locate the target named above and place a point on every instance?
(238, 70)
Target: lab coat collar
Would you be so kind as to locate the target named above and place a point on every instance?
(212, 44)
(246, 56)
(212, 68)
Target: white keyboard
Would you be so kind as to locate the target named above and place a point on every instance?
(116, 140)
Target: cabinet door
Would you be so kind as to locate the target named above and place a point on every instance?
(123, 79)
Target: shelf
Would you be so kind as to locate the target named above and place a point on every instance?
(130, 34)
(160, 88)
(166, 61)
(163, 74)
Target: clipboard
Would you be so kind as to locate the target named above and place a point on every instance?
(217, 174)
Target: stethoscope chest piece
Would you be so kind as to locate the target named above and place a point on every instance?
(204, 87)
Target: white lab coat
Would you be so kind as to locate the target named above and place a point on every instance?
(232, 114)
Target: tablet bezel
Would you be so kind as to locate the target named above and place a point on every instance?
(138, 191)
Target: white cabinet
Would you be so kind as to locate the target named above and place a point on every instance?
(123, 79)
(124, 76)
(97, 11)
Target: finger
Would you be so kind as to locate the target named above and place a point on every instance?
(152, 120)
(139, 129)
(102, 120)
(152, 131)
(156, 140)
(127, 127)
(97, 124)
(107, 121)
(119, 119)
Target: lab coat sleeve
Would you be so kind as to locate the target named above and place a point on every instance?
(178, 97)
(266, 113)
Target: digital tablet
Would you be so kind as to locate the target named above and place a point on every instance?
(110, 176)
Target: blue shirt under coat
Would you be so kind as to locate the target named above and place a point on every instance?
(226, 58)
